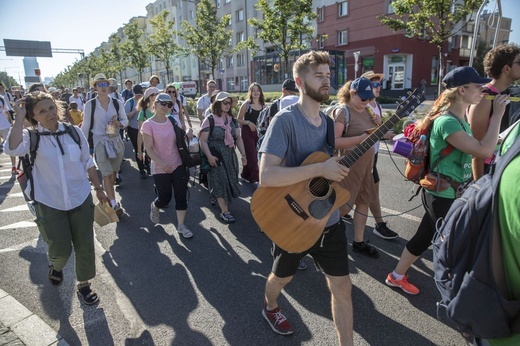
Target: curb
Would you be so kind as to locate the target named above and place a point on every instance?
(17, 322)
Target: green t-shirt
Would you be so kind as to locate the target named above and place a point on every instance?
(457, 165)
(508, 206)
(510, 138)
(141, 116)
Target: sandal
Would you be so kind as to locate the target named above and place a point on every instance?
(88, 296)
(365, 249)
(55, 277)
(227, 217)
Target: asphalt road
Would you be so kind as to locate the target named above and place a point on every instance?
(157, 288)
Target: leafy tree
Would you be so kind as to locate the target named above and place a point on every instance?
(118, 61)
(209, 39)
(162, 42)
(285, 25)
(134, 50)
(435, 21)
(7, 80)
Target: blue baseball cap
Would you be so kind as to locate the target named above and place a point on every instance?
(463, 75)
(363, 87)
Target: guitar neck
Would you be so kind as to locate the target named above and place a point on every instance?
(349, 159)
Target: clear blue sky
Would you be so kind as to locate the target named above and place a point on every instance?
(85, 24)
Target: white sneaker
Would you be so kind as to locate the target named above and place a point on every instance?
(186, 233)
(154, 213)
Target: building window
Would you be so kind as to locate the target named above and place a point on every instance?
(342, 9)
(390, 8)
(230, 83)
(321, 41)
(240, 60)
(218, 4)
(342, 38)
(239, 15)
(321, 14)
(240, 37)
(227, 1)
(230, 43)
(229, 62)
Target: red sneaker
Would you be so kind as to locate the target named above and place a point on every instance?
(277, 321)
(402, 284)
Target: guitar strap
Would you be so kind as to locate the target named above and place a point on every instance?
(330, 135)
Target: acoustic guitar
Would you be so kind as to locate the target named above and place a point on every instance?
(294, 216)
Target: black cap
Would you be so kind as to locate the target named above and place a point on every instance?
(138, 89)
(463, 75)
(290, 85)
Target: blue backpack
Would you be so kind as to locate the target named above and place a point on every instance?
(467, 260)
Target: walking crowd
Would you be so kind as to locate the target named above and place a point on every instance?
(274, 143)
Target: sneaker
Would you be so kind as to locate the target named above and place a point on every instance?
(227, 217)
(277, 321)
(14, 170)
(365, 249)
(402, 284)
(118, 209)
(186, 233)
(302, 265)
(381, 230)
(143, 174)
(347, 218)
(154, 213)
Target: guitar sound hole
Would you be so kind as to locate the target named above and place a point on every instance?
(319, 187)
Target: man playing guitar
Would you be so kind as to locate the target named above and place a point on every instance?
(296, 132)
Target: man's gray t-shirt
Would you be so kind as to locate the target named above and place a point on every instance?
(291, 137)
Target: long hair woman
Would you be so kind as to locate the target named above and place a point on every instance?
(62, 199)
(145, 107)
(248, 117)
(448, 125)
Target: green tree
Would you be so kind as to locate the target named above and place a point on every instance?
(209, 39)
(435, 21)
(285, 25)
(161, 43)
(7, 80)
(134, 50)
(118, 61)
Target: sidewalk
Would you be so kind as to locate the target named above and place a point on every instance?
(19, 326)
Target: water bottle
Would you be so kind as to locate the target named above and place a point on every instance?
(418, 151)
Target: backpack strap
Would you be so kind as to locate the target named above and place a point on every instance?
(93, 109)
(330, 135)
(211, 124)
(73, 133)
(347, 117)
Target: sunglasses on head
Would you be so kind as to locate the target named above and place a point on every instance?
(102, 84)
(226, 103)
(168, 104)
(376, 84)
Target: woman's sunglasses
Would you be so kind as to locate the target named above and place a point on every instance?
(102, 84)
(376, 84)
(171, 92)
(226, 103)
(168, 104)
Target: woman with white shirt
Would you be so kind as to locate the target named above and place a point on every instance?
(62, 199)
(109, 148)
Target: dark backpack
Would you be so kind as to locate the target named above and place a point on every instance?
(27, 161)
(90, 140)
(467, 262)
(265, 117)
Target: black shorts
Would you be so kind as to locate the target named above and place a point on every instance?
(375, 173)
(329, 253)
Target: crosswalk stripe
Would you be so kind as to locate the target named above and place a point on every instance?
(6, 177)
(17, 194)
(21, 224)
(22, 207)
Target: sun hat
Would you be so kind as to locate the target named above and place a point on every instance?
(463, 75)
(363, 87)
(372, 74)
(97, 78)
(113, 82)
(52, 90)
(149, 92)
(221, 96)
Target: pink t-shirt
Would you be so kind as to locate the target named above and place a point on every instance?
(164, 143)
